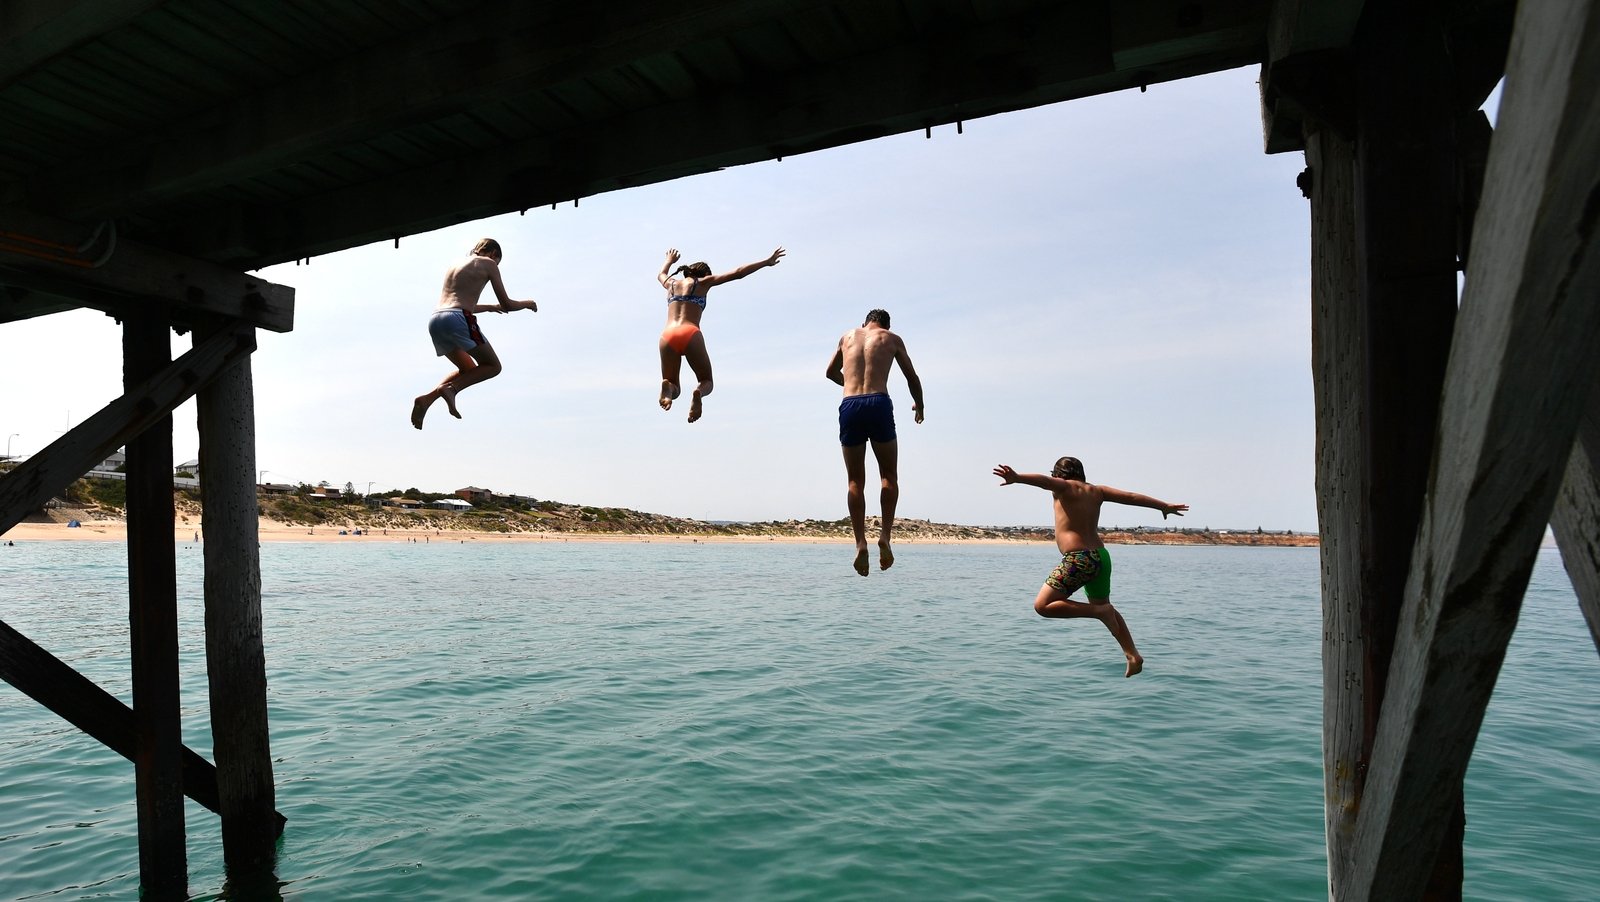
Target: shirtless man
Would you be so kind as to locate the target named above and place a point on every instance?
(454, 328)
(1084, 558)
(861, 364)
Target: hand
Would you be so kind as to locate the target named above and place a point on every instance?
(531, 305)
(672, 255)
(917, 409)
(1006, 474)
(1173, 509)
(773, 260)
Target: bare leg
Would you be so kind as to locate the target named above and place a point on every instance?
(472, 367)
(855, 469)
(671, 363)
(1051, 603)
(700, 362)
(888, 455)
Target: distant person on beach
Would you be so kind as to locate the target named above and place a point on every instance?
(1085, 562)
(861, 363)
(682, 338)
(454, 327)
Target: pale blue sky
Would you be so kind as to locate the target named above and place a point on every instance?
(1123, 278)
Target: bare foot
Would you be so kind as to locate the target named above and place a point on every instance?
(449, 396)
(885, 556)
(1135, 664)
(669, 393)
(861, 560)
(694, 406)
(419, 409)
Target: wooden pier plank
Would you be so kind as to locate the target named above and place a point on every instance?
(1526, 333)
(34, 482)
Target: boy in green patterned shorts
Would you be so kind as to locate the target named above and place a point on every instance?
(1085, 561)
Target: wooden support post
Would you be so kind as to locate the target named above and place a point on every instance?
(153, 626)
(1520, 375)
(1576, 517)
(1338, 361)
(235, 656)
(1405, 219)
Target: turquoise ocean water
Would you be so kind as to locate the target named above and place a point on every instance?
(703, 721)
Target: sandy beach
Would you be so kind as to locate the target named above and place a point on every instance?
(274, 531)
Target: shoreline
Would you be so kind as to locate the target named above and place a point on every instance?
(186, 533)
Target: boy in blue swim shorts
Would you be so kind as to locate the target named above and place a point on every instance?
(861, 363)
(1085, 562)
(454, 327)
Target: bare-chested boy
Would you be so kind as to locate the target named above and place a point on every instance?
(1084, 559)
(861, 364)
(454, 327)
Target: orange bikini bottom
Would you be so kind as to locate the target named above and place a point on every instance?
(679, 336)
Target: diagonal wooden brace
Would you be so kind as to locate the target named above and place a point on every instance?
(51, 682)
(27, 488)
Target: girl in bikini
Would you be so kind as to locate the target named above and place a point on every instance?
(682, 338)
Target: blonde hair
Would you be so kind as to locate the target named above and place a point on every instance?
(486, 247)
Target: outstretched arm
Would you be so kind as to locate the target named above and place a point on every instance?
(744, 270)
(672, 257)
(1137, 500)
(1037, 480)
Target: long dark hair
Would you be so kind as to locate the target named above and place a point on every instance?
(694, 270)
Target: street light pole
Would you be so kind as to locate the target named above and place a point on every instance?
(8, 443)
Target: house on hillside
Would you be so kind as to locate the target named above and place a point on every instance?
(474, 494)
(451, 504)
(192, 467)
(409, 504)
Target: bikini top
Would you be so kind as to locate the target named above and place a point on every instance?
(692, 298)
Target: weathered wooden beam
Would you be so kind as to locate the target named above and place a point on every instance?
(1576, 517)
(32, 32)
(1304, 68)
(131, 280)
(52, 683)
(153, 625)
(963, 68)
(446, 69)
(798, 112)
(27, 487)
(1307, 50)
(235, 654)
(1339, 367)
(1500, 457)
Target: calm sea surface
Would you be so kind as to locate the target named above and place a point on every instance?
(688, 721)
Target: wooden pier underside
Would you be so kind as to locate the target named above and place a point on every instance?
(1449, 434)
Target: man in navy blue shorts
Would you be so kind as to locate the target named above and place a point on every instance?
(861, 364)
